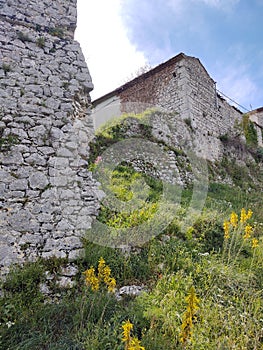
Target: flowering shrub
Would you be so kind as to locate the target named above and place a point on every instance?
(189, 316)
(131, 343)
(227, 313)
(103, 276)
(238, 233)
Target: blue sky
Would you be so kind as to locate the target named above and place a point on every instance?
(119, 36)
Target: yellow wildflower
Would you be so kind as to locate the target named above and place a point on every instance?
(127, 327)
(131, 343)
(249, 214)
(234, 219)
(136, 344)
(111, 283)
(248, 231)
(106, 274)
(255, 243)
(91, 279)
(101, 268)
(189, 316)
(243, 216)
(226, 229)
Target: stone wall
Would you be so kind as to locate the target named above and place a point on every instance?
(180, 85)
(210, 115)
(47, 196)
(256, 116)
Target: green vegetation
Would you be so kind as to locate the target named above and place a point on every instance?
(203, 283)
(226, 281)
(116, 130)
(41, 41)
(65, 84)
(7, 141)
(57, 31)
(188, 122)
(126, 185)
(224, 137)
(22, 92)
(249, 131)
(6, 68)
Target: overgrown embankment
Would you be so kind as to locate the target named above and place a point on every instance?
(202, 283)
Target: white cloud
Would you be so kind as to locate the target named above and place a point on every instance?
(109, 54)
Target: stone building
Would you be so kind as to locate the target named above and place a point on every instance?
(47, 196)
(181, 85)
(256, 116)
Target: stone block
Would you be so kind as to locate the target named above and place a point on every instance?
(19, 185)
(38, 180)
(75, 254)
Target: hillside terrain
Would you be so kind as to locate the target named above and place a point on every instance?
(198, 275)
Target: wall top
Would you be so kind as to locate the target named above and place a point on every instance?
(42, 15)
(180, 57)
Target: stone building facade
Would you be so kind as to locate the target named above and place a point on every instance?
(180, 85)
(47, 196)
(256, 116)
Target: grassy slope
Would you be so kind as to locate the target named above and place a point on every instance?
(226, 275)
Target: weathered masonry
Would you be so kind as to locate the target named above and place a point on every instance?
(183, 85)
(256, 116)
(47, 196)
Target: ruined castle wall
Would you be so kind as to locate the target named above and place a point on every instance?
(208, 110)
(184, 86)
(256, 116)
(209, 114)
(157, 89)
(47, 196)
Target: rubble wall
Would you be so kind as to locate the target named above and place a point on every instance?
(47, 196)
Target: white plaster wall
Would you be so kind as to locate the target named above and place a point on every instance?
(106, 110)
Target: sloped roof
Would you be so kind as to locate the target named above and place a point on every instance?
(255, 111)
(143, 76)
